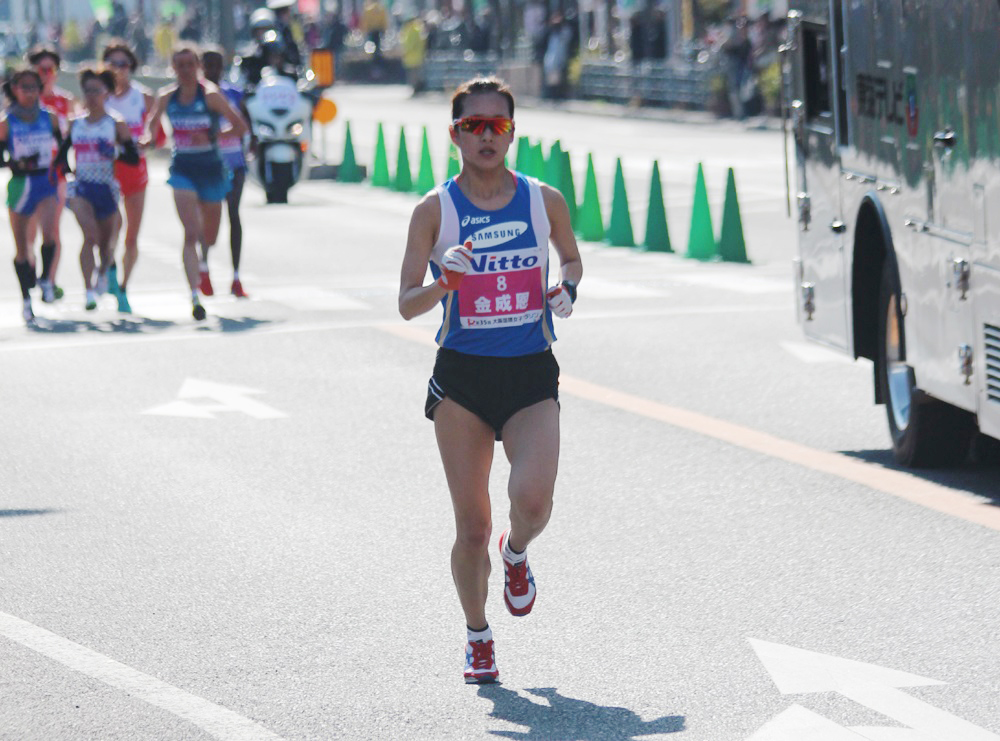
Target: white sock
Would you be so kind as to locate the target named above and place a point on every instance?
(203, 266)
(509, 555)
(479, 635)
(194, 296)
(236, 275)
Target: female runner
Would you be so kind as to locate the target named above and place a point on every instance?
(197, 173)
(486, 236)
(93, 193)
(29, 138)
(46, 61)
(133, 102)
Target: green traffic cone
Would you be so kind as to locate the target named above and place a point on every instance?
(732, 246)
(590, 223)
(538, 162)
(454, 167)
(657, 236)
(520, 162)
(349, 172)
(425, 177)
(380, 170)
(554, 166)
(620, 227)
(567, 188)
(701, 240)
(404, 178)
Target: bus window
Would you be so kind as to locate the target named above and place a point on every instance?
(816, 61)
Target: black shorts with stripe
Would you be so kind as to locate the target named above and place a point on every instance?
(492, 388)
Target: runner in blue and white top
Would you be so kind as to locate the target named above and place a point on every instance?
(486, 235)
(28, 137)
(94, 192)
(198, 175)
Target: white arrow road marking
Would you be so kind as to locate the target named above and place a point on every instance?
(798, 724)
(214, 719)
(225, 398)
(797, 671)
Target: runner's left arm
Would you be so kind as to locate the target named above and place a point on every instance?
(562, 237)
(130, 153)
(218, 102)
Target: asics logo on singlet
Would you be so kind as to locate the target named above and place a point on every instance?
(475, 220)
(505, 261)
(498, 234)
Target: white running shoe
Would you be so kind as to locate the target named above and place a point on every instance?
(102, 284)
(48, 291)
(519, 584)
(91, 301)
(28, 314)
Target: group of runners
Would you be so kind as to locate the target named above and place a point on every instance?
(106, 134)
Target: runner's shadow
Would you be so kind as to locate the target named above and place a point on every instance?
(25, 512)
(976, 476)
(570, 720)
(130, 325)
(236, 324)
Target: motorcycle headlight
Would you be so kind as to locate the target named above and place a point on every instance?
(264, 129)
(295, 129)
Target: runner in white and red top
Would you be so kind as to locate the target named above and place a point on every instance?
(133, 102)
(46, 60)
(485, 235)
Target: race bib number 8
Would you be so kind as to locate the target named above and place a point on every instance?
(489, 300)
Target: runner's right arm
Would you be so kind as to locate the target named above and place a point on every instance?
(414, 297)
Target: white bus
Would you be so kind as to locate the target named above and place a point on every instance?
(895, 112)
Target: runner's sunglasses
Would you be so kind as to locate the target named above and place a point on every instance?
(476, 125)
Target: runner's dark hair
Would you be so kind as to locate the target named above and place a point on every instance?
(476, 86)
(14, 77)
(106, 76)
(39, 51)
(120, 46)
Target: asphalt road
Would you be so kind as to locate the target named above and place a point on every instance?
(240, 529)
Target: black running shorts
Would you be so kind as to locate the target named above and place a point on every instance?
(492, 388)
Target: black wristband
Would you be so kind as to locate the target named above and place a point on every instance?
(570, 287)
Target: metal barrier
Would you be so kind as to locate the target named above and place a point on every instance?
(652, 83)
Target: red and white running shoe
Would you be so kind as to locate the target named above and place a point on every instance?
(519, 584)
(480, 664)
(206, 284)
(237, 289)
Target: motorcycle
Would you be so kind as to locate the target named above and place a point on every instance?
(280, 121)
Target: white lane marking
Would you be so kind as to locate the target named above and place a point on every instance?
(222, 398)
(798, 671)
(808, 353)
(797, 723)
(215, 720)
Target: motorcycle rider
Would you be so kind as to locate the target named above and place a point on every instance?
(283, 13)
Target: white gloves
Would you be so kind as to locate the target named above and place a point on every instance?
(560, 301)
(457, 261)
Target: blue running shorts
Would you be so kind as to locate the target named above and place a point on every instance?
(25, 192)
(102, 196)
(209, 189)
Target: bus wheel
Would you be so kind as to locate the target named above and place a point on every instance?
(925, 432)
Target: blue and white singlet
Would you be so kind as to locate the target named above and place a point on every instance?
(195, 127)
(500, 308)
(32, 140)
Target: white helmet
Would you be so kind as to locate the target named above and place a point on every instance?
(262, 19)
(279, 4)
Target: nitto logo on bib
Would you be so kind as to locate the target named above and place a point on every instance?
(503, 290)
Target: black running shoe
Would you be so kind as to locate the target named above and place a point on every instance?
(198, 312)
